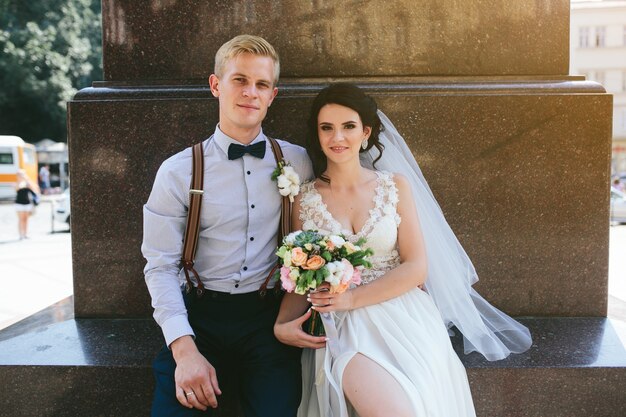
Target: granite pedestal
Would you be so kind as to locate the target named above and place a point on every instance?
(515, 149)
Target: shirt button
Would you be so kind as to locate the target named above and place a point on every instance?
(252, 238)
(252, 206)
(245, 268)
(248, 172)
(236, 285)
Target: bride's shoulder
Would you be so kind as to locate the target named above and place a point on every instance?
(308, 194)
(402, 187)
(393, 178)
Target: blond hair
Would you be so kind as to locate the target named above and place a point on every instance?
(242, 44)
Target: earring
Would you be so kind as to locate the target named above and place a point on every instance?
(364, 144)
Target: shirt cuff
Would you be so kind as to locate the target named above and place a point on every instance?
(175, 327)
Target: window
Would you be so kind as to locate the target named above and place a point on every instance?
(600, 36)
(29, 156)
(583, 36)
(6, 158)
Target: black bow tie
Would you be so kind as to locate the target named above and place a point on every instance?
(237, 151)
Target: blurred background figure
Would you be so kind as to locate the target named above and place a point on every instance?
(618, 185)
(44, 179)
(25, 200)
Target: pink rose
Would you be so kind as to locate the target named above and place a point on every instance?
(356, 276)
(348, 270)
(298, 257)
(288, 284)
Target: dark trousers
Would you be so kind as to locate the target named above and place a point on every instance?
(235, 334)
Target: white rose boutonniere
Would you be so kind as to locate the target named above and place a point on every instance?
(287, 179)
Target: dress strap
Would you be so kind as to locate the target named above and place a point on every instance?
(390, 195)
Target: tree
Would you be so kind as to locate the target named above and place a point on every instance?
(49, 50)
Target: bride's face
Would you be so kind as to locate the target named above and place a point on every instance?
(340, 132)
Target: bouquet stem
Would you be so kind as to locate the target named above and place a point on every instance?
(314, 325)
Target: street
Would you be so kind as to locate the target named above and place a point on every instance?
(37, 272)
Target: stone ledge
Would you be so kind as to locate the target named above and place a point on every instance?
(89, 367)
(309, 87)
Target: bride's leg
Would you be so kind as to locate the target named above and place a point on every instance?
(373, 391)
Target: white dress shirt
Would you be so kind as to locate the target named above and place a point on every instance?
(238, 225)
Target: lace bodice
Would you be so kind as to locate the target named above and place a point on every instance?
(380, 230)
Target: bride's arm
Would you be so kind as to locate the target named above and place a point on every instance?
(288, 326)
(409, 274)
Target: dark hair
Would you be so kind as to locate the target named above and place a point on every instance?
(347, 95)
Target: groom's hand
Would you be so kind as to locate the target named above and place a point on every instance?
(291, 333)
(195, 377)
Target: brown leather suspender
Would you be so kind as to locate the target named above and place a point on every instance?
(192, 230)
(285, 211)
(284, 226)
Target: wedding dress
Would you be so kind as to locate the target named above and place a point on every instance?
(405, 335)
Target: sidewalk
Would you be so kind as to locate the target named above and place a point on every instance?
(36, 272)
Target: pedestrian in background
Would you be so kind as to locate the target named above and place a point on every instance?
(27, 197)
(44, 179)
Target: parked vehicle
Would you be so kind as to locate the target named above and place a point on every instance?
(618, 206)
(15, 154)
(62, 208)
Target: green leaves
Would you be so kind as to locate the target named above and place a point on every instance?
(48, 50)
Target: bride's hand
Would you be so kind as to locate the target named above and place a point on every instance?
(323, 301)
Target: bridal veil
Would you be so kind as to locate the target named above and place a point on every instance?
(451, 274)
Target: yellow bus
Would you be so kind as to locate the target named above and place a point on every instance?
(15, 154)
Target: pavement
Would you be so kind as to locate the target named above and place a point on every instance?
(37, 272)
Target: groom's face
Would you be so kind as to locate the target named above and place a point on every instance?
(245, 90)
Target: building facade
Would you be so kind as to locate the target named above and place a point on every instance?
(598, 51)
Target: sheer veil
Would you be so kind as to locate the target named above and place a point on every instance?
(450, 272)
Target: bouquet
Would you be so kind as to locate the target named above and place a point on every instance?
(310, 259)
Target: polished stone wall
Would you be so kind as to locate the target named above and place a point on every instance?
(520, 176)
(515, 149)
(177, 39)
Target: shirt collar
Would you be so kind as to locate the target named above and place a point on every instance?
(223, 141)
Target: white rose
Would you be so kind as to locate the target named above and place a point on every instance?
(337, 240)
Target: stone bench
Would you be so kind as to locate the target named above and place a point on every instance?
(102, 367)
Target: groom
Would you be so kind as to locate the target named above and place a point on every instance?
(228, 330)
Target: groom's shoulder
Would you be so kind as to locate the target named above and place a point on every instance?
(292, 150)
(177, 161)
(182, 159)
(297, 156)
(177, 167)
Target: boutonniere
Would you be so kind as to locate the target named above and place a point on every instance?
(287, 179)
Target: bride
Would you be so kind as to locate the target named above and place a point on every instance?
(387, 350)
